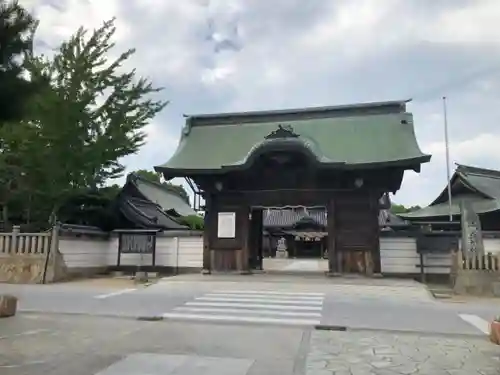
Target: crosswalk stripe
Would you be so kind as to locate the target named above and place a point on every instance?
(247, 319)
(255, 305)
(273, 297)
(260, 300)
(477, 322)
(248, 311)
(272, 292)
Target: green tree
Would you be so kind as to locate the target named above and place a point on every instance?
(400, 209)
(194, 222)
(90, 117)
(17, 28)
(92, 207)
(148, 175)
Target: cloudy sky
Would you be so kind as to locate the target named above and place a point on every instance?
(231, 55)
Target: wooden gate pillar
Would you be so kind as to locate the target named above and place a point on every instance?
(256, 234)
(333, 266)
(375, 254)
(207, 259)
(246, 243)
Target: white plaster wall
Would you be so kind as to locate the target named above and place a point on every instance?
(84, 252)
(398, 255)
(182, 251)
(170, 251)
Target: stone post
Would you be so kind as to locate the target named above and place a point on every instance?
(14, 240)
(52, 271)
(8, 305)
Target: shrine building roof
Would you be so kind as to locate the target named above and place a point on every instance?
(366, 135)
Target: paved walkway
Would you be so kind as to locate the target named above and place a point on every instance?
(295, 265)
(375, 353)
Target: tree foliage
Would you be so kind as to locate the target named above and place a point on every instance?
(17, 28)
(400, 209)
(89, 115)
(194, 222)
(148, 175)
(92, 207)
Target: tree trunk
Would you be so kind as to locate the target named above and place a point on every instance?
(5, 216)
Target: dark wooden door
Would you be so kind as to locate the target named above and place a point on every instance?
(356, 230)
(354, 262)
(256, 239)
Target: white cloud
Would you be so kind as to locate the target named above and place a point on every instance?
(476, 22)
(481, 151)
(60, 21)
(297, 53)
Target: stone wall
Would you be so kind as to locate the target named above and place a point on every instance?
(477, 283)
(30, 258)
(477, 275)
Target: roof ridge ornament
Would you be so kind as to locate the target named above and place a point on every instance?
(283, 131)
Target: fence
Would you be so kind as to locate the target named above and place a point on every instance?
(29, 257)
(487, 262)
(70, 251)
(476, 274)
(25, 243)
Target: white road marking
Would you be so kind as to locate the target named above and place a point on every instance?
(25, 333)
(270, 307)
(248, 311)
(295, 294)
(246, 319)
(255, 305)
(117, 293)
(267, 296)
(261, 300)
(477, 322)
(32, 363)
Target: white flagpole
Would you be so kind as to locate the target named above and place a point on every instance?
(447, 147)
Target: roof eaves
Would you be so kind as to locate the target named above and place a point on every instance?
(413, 163)
(152, 221)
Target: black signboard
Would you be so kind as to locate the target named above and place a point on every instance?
(137, 243)
(437, 243)
(141, 242)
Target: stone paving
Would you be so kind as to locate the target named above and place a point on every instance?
(60, 345)
(77, 345)
(377, 353)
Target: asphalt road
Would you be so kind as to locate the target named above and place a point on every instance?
(392, 305)
(244, 325)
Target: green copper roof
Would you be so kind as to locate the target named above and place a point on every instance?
(479, 186)
(361, 135)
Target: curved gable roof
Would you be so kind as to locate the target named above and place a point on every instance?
(479, 186)
(350, 136)
(147, 214)
(161, 195)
